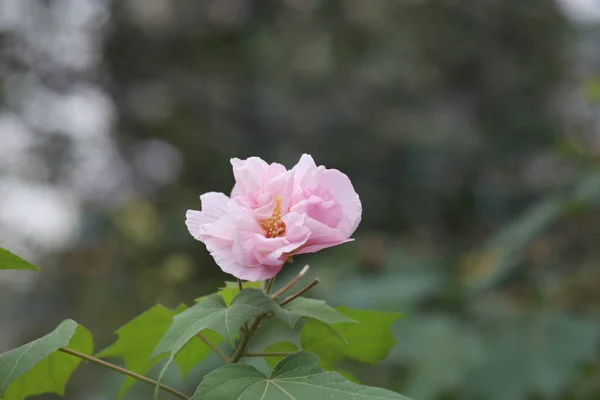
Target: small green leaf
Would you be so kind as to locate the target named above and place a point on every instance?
(230, 289)
(140, 336)
(38, 367)
(296, 377)
(10, 260)
(212, 313)
(368, 341)
(311, 308)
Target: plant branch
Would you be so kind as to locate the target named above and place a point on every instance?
(290, 283)
(214, 347)
(239, 351)
(124, 371)
(269, 354)
(270, 285)
(241, 287)
(314, 283)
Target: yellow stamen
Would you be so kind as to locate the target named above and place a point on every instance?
(274, 226)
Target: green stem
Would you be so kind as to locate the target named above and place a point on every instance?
(239, 352)
(241, 287)
(214, 347)
(270, 286)
(124, 371)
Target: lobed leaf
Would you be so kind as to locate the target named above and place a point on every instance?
(296, 377)
(272, 361)
(310, 308)
(370, 340)
(212, 313)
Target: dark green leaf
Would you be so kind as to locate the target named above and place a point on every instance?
(9, 260)
(369, 340)
(212, 313)
(140, 336)
(38, 367)
(298, 376)
(310, 308)
(279, 347)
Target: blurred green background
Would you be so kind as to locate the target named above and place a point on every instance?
(470, 129)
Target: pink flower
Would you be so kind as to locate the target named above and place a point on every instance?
(273, 214)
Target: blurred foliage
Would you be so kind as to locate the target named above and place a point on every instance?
(480, 185)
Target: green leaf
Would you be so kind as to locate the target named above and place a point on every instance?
(368, 341)
(10, 260)
(298, 376)
(310, 308)
(272, 361)
(38, 367)
(212, 313)
(230, 289)
(139, 337)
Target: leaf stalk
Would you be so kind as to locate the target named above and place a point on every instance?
(123, 371)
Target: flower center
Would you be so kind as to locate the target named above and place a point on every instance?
(274, 226)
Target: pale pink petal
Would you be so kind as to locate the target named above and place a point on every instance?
(248, 176)
(224, 228)
(223, 255)
(236, 256)
(339, 185)
(258, 273)
(328, 212)
(296, 230)
(321, 236)
(303, 167)
(244, 244)
(193, 221)
(282, 185)
(221, 251)
(251, 176)
(214, 207)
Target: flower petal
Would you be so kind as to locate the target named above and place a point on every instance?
(214, 207)
(321, 237)
(339, 186)
(251, 175)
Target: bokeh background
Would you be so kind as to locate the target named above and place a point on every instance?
(470, 129)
